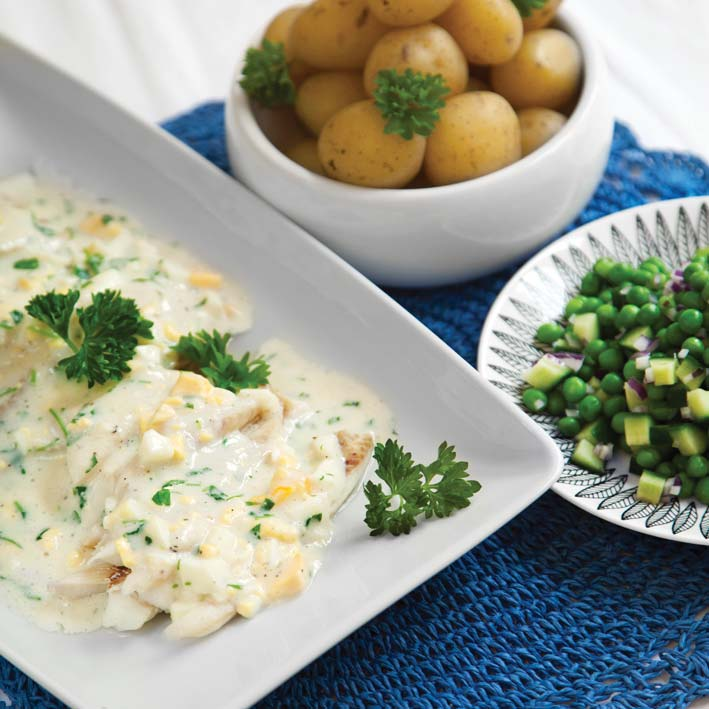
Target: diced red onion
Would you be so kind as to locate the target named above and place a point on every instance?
(657, 279)
(639, 409)
(682, 354)
(671, 489)
(649, 376)
(574, 413)
(637, 388)
(604, 451)
(625, 290)
(686, 413)
(572, 360)
(643, 343)
(642, 361)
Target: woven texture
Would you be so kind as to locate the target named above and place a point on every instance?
(557, 609)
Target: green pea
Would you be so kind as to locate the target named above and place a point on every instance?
(618, 421)
(667, 302)
(555, 403)
(701, 490)
(591, 304)
(590, 407)
(649, 267)
(691, 320)
(706, 319)
(627, 316)
(603, 266)
(612, 383)
(665, 470)
(574, 305)
(688, 485)
(694, 345)
(606, 295)
(697, 466)
(614, 405)
(647, 458)
(548, 332)
(618, 273)
(638, 295)
(655, 393)
(573, 389)
(586, 372)
(679, 463)
(590, 284)
(630, 370)
(690, 299)
(649, 314)
(607, 314)
(676, 334)
(534, 399)
(569, 426)
(662, 339)
(705, 357)
(611, 360)
(642, 277)
(699, 280)
(594, 348)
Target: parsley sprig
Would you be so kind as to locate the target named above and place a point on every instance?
(111, 326)
(207, 354)
(265, 76)
(438, 489)
(526, 7)
(409, 101)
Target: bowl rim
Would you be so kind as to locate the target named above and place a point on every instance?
(238, 111)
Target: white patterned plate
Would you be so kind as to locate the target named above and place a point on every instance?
(537, 293)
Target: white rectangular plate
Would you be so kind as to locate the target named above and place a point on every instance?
(305, 294)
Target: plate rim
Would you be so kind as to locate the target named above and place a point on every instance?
(483, 363)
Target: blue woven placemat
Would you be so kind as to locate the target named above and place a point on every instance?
(557, 609)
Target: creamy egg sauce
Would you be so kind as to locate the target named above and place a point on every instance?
(161, 492)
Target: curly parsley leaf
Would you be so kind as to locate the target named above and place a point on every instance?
(438, 489)
(526, 7)
(409, 101)
(265, 76)
(207, 354)
(111, 326)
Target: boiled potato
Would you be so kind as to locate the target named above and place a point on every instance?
(279, 125)
(426, 48)
(546, 72)
(354, 148)
(279, 32)
(537, 125)
(488, 31)
(336, 34)
(322, 95)
(305, 153)
(404, 13)
(478, 133)
(542, 16)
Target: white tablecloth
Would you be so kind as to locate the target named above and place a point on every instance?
(159, 57)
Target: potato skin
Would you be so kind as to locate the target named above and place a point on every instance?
(305, 153)
(427, 48)
(279, 32)
(353, 148)
(542, 17)
(546, 72)
(322, 95)
(336, 34)
(537, 126)
(478, 133)
(488, 31)
(406, 13)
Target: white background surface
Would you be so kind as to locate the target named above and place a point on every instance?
(161, 57)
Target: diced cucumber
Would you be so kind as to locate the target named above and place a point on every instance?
(651, 487)
(547, 373)
(691, 373)
(664, 370)
(596, 432)
(584, 457)
(698, 402)
(632, 398)
(637, 429)
(586, 327)
(689, 439)
(572, 342)
(631, 338)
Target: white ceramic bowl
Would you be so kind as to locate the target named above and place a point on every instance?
(431, 236)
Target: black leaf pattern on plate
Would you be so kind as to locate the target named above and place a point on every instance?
(638, 511)
(541, 296)
(606, 488)
(620, 500)
(663, 514)
(686, 519)
(686, 238)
